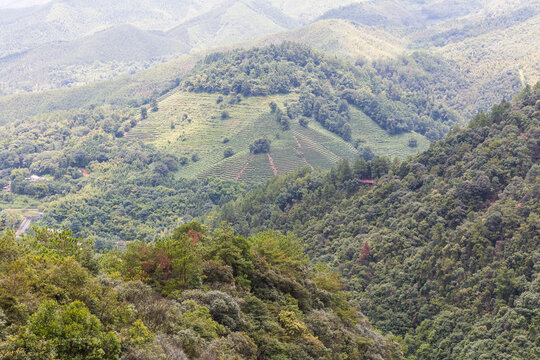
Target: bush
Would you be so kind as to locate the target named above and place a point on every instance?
(225, 115)
(228, 153)
(413, 142)
(260, 146)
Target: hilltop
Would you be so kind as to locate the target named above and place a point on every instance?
(195, 294)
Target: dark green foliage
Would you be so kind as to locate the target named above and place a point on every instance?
(228, 152)
(260, 146)
(154, 105)
(452, 235)
(225, 115)
(388, 92)
(96, 183)
(303, 121)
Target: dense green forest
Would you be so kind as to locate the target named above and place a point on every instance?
(269, 180)
(442, 250)
(98, 183)
(196, 294)
(390, 92)
(90, 177)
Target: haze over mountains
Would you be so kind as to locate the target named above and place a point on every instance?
(69, 30)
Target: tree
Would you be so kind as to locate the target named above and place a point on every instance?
(366, 251)
(233, 250)
(273, 107)
(303, 121)
(228, 152)
(154, 105)
(260, 146)
(68, 332)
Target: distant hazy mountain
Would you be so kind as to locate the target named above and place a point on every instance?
(232, 22)
(64, 43)
(115, 51)
(50, 45)
(12, 4)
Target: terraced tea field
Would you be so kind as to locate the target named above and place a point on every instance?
(200, 127)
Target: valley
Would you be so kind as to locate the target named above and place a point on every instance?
(269, 179)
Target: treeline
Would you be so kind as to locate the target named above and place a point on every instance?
(442, 251)
(193, 295)
(89, 177)
(391, 93)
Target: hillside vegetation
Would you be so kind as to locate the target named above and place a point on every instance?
(443, 249)
(194, 294)
(199, 128)
(327, 87)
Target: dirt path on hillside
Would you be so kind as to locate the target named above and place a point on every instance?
(272, 164)
(243, 169)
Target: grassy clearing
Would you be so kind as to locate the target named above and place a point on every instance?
(189, 124)
(380, 142)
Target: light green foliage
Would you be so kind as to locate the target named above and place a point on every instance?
(139, 334)
(198, 318)
(282, 251)
(233, 250)
(62, 332)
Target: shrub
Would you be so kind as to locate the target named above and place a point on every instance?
(228, 153)
(260, 146)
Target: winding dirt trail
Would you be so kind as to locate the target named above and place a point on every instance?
(243, 169)
(272, 164)
(299, 152)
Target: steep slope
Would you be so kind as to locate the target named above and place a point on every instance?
(443, 249)
(193, 295)
(191, 126)
(343, 39)
(501, 61)
(232, 22)
(108, 53)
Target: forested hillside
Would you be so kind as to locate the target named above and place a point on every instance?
(120, 172)
(440, 249)
(99, 184)
(384, 91)
(195, 294)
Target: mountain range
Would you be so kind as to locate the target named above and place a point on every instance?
(269, 179)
